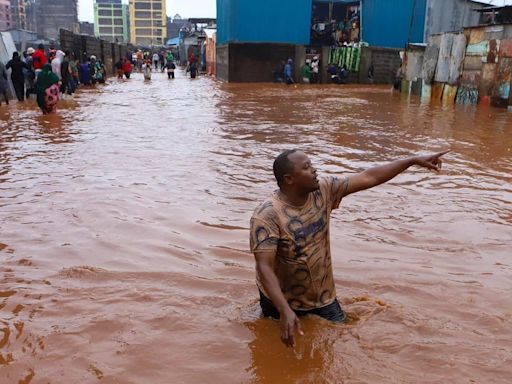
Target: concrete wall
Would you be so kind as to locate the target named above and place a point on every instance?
(222, 62)
(251, 62)
(450, 16)
(385, 61)
(84, 46)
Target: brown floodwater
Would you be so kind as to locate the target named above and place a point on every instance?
(124, 237)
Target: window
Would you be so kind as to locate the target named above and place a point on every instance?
(105, 30)
(104, 12)
(157, 15)
(142, 5)
(118, 13)
(143, 23)
(143, 31)
(118, 30)
(118, 21)
(144, 15)
(104, 21)
(157, 5)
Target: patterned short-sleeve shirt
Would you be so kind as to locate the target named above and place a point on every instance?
(300, 238)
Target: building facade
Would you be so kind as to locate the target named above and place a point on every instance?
(111, 20)
(52, 15)
(148, 22)
(5, 15)
(174, 26)
(18, 14)
(86, 28)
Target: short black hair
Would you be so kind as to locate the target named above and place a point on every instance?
(283, 165)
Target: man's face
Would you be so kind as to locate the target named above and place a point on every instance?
(303, 177)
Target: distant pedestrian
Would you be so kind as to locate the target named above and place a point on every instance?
(3, 83)
(156, 59)
(288, 72)
(29, 73)
(74, 66)
(17, 76)
(85, 74)
(147, 70)
(170, 69)
(118, 66)
(47, 86)
(65, 72)
(39, 59)
(315, 70)
(57, 63)
(306, 72)
(192, 68)
(161, 58)
(127, 68)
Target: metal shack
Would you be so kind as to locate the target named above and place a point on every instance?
(254, 36)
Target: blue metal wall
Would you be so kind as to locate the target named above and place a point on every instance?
(268, 21)
(387, 23)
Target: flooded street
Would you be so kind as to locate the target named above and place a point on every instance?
(124, 237)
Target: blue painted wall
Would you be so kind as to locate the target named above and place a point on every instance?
(387, 23)
(264, 21)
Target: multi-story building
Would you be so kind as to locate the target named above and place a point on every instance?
(174, 26)
(18, 14)
(148, 22)
(111, 20)
(52, 15)
(86, 28)
(5, 15)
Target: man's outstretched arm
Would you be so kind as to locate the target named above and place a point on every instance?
(378, 175)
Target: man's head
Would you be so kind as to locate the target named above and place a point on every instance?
(40, 46)
(293, 171)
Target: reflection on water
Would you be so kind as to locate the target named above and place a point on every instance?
(124, 237)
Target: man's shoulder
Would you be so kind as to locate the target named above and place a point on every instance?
(266, 211)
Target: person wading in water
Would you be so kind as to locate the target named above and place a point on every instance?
(289, 237)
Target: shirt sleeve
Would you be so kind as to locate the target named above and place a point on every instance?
(264, 235)
(338, 187)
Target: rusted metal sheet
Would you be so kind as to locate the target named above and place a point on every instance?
(430, 58)
(487, 80)
(471, 78)
(457, 58)
(503, 78)
(492, 54)
(506, 48)
(449, 93)
(437, 92)
(477, 49)
(477, 35)
(494, 32)
(414, 65)
(426, 92)
(473, 63)
(443, 63)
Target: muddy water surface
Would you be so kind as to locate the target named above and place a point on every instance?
(124, 237)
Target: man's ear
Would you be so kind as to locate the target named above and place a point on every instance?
(288, 179)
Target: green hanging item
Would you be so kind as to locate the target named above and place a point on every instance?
(358, 60)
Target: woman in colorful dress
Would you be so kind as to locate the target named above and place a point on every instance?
(47, 87)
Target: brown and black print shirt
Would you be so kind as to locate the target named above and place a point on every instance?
(300, 238)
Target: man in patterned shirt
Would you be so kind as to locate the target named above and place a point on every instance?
(290, 237)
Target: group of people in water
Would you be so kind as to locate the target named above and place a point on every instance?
(48, 75)
(53, 74)
(310, 72)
